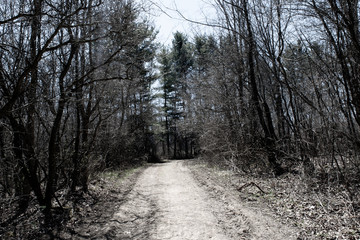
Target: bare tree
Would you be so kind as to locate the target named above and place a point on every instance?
(59, 63)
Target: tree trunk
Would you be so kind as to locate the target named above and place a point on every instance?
(267, 126)
(54, 141)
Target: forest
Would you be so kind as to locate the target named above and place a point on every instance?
(85, 88)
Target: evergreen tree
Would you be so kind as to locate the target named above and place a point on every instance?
(175, 68)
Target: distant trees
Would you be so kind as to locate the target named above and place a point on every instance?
(73, 75)
(175, 68)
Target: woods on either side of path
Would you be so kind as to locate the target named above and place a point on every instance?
(274, 89)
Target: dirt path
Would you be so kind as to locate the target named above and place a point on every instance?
(168, 203)
(185, 213)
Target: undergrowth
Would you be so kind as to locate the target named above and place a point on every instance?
(322, 206)
(69, 209)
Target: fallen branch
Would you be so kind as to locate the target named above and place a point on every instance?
(249, 185)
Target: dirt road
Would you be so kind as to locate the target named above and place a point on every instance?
(184, 212)
(168, 203)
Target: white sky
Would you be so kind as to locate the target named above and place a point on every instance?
(168, 20)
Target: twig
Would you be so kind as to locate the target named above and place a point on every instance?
(250, 184)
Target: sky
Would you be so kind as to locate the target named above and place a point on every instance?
(168, 20)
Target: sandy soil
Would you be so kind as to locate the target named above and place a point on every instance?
(169, 202)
